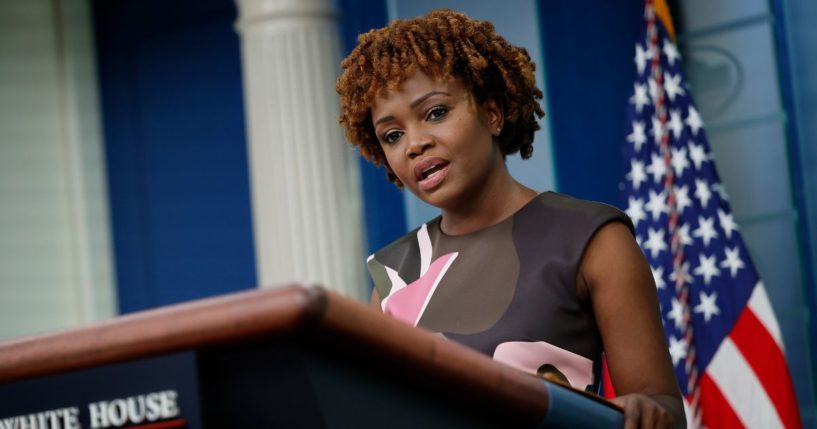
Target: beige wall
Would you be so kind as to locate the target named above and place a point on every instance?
(55, 252)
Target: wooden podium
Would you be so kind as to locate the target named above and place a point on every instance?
(288, 357)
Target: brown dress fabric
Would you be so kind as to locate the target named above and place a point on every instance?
(512, 285)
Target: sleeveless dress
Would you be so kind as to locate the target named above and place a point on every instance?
(508, 291)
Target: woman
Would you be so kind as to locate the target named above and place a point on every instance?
(543, 282)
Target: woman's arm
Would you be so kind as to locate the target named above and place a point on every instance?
(617, 279)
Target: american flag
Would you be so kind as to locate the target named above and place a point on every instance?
(723, 336)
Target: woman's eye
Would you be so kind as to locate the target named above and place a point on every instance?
(392, 136)
(437, 113)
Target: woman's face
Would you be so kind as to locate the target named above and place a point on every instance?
(438, 140)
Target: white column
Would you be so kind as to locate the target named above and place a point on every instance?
(304, 179)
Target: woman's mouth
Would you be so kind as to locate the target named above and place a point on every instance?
(430, 172)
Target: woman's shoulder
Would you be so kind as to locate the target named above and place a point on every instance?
(568, 203)
(560, 207)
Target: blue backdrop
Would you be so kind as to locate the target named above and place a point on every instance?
(173, 117)
(587, 74)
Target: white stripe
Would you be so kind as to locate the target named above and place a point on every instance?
(760, 305)
(396, 284)
(434, 287)
(688, 411)
(741, 388)
(424, 241)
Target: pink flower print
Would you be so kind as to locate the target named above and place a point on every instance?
(407, 302)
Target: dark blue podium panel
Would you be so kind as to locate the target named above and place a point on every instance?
(257, 385)
(291, 385)
(159, 389)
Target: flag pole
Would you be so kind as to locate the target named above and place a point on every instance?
(676, 247)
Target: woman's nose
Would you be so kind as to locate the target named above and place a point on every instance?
(418, 145)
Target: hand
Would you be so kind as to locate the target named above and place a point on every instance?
(642, 411)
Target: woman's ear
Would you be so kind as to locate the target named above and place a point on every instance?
(494, 114)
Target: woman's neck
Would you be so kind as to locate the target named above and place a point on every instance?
(496, 202)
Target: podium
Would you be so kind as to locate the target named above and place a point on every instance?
(290, 357)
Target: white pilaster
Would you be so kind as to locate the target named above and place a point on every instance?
(305, 195)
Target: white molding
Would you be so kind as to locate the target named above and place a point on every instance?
(86, 190)
(56, 269)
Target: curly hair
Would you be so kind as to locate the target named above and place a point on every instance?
(444, 45)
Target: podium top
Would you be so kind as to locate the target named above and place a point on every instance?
(293, 311)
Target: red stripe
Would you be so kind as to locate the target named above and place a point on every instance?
(769, 364)
(607, 390)
(168, 424)
(717, 412)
